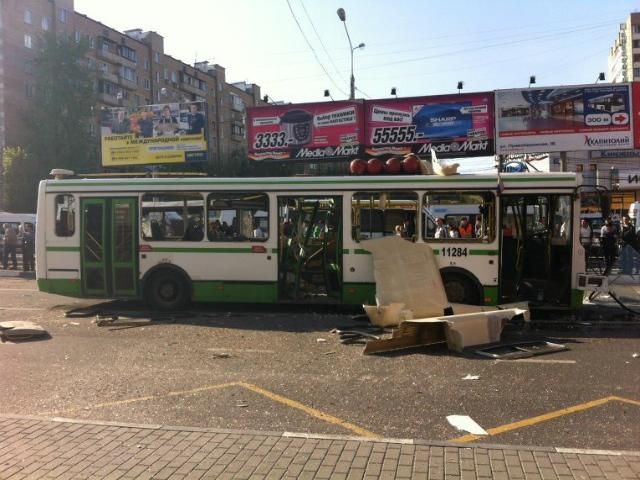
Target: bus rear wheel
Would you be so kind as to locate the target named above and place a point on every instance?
(460, 289)
(167, 290)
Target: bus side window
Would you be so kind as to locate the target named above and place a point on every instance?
(65, 217)
(237, 217)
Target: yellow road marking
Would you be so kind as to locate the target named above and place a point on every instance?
(545, 417)
(310, 411)
(325, 417)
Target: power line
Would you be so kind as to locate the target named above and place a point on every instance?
(313, 50)
(320, 40)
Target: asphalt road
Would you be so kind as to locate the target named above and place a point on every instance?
(281, 369)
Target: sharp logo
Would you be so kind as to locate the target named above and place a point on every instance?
(467, 146)
(341, 151)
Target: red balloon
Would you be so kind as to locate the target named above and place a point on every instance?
(411, 164)
(374, 166)
(358, 167)
(393, 166)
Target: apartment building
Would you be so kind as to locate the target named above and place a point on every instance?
(131, 69)
(624, 54)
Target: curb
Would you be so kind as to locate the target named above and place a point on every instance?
(314, 436)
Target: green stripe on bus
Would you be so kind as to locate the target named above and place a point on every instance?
(361, 251)
(63, 249)
(359, 293)
(67, 286)
(483, 252)
(490, 295)
(202, 250)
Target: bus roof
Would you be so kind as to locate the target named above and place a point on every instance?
(564, 180)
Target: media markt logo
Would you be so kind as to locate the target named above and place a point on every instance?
(326, 152)
(624, 141)
(453, 147)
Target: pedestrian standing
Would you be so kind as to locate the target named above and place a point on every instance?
(10, 245)
(628, 246)
(586, 239)
(608, 242)
(28, 248)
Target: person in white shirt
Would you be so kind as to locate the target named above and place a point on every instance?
(258, 233)
(441, 229)
(586, 238)
(453, 231)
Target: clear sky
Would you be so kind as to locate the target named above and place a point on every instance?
(421, 47)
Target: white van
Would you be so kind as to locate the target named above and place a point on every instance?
(17, 221)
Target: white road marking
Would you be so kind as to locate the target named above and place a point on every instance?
(536, 360)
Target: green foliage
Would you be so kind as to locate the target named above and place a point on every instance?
(57, 124)
(20, 181)
(62, 109)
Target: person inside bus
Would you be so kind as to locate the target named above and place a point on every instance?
(398, 230)
(453, 231)
(441, 229)
(408, 229)
(465, 229)
(194, 231)
(477, 230)
(215, 230)
(258, 232)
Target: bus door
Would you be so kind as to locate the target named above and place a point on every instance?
(536, 249)
(108, 247)
(310, 248)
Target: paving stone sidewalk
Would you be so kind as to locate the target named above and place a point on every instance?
(35, 448)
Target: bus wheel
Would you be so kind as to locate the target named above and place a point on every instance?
(460, 289)
(167, 290)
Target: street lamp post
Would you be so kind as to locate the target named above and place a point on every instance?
(343, 18)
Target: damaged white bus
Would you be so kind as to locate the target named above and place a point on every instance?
(268, 240)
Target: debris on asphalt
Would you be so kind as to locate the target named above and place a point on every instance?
(321, 340)
(635, 355)
(20, 331)
(471, 377)
(512, 351)
(466, 424)
(359, 335)
(329, 353)
(242, 404)
(221, 355)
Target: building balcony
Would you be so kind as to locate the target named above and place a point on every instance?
(108, 99)
(114, 58)
(191, 89)
(111, 77)
(128, 84)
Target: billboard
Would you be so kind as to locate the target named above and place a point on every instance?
(452, 125)
(151, 134)
(305, 131)
(636, 114)
(558, 119)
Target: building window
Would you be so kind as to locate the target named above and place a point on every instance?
(166, 74)
(28, 17)
(45, 23)
(147, 84)
(635, 28)
(157, 76)
(237, 129)
(29, 90)
(28, 66)
(636, 57)
(156, 57)
(27, 40)
(128, 53)
(77, 36)
(63, 15)
(65, 218)
(174, 77)
(172, 216)
(238, 217)
(636, 72)
(129, 74)
(236, 103)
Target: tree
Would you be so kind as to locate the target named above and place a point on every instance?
(62, 109)
(19, 174)
(57, 124)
